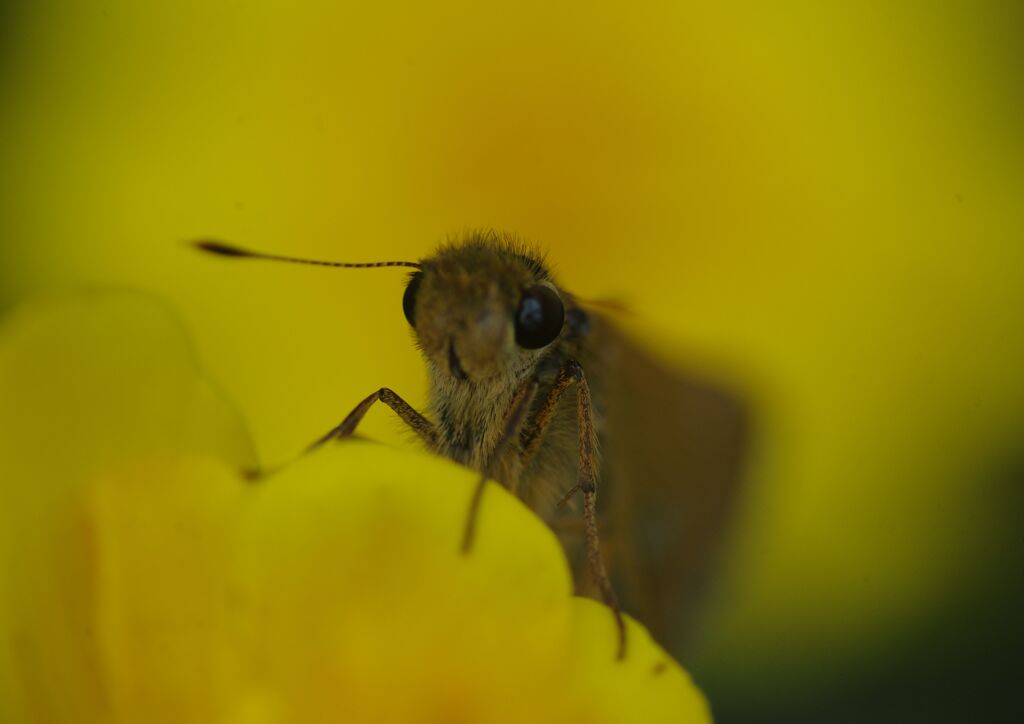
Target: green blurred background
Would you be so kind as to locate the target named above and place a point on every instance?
(820, 204)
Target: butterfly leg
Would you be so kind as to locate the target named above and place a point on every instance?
(513, 422)
(403, 409)
(421, 425)
(533, 434)
(586, 484)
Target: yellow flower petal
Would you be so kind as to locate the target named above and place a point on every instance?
(145, 580)
(105, 521)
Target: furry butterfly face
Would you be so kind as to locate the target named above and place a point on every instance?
(483, 308)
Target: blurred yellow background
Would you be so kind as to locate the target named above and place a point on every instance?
(821, 205)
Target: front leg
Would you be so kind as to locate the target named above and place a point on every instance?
(586, 484)
(513, 422)
(533, 434)
(423, 427)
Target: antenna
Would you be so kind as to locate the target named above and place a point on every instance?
(213, 246)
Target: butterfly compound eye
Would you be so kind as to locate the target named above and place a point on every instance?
(409, 298)
(539, 317)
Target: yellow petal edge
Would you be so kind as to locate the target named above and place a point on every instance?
(144, 580)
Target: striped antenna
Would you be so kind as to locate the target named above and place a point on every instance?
(222, 249)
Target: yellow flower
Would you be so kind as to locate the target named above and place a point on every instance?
(144, 580)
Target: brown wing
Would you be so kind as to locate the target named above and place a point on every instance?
(673, 451)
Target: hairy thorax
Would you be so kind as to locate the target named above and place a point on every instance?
(470, 418)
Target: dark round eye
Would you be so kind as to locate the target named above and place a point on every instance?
(409, 298)
(539, 318)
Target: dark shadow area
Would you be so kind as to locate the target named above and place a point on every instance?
(961, 665)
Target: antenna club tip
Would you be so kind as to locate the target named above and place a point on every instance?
(218, 247)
